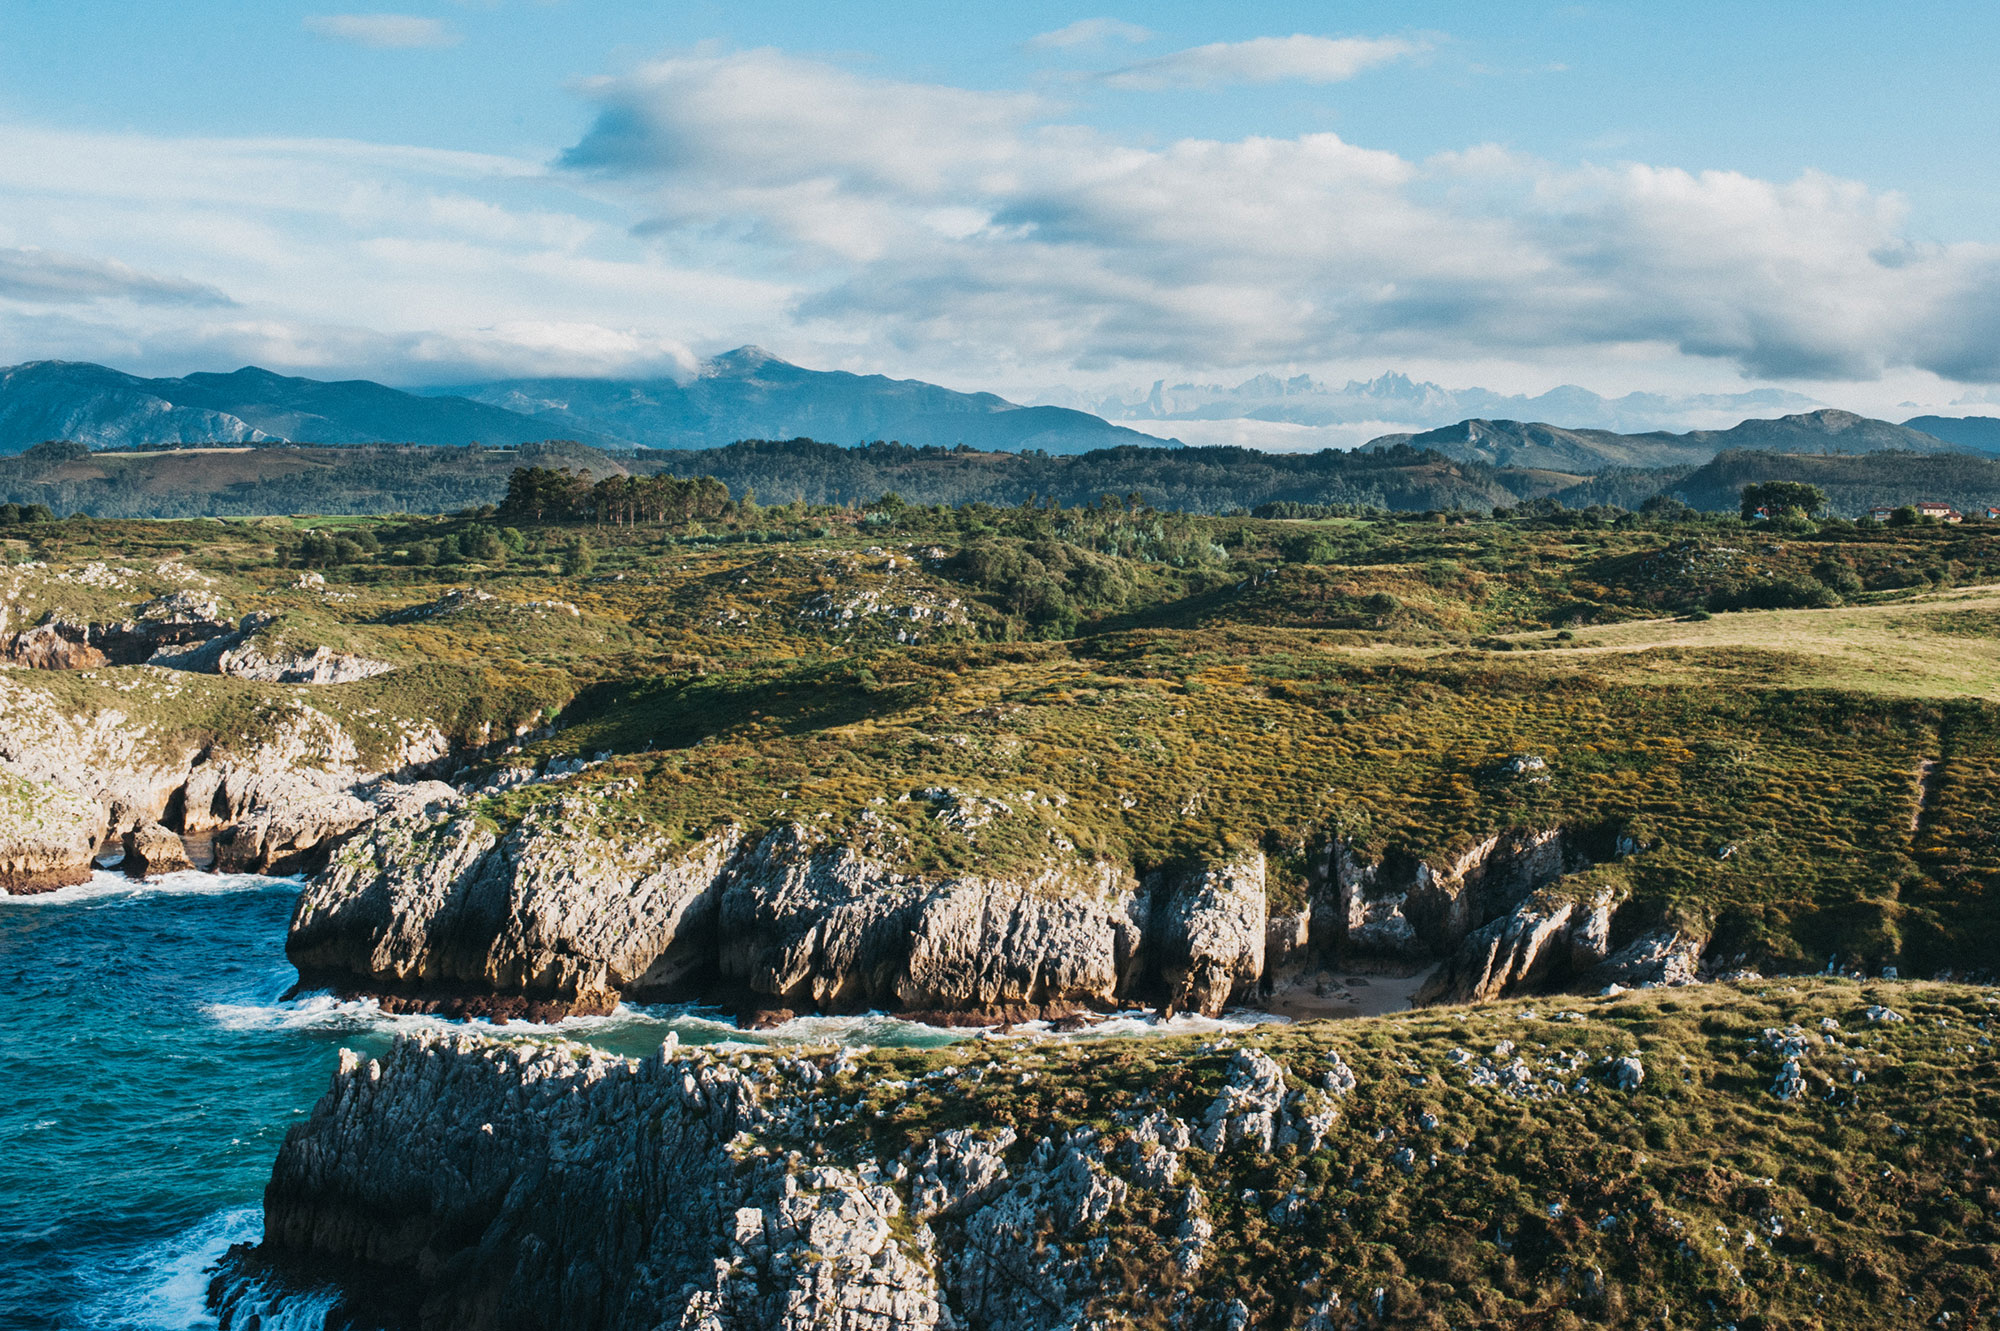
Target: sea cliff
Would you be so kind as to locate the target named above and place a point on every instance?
(1501, 1165)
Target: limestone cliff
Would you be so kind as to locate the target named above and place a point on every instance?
(563, 913)
(272, 797)
(1519, 1165)
(577, 906)
(47, 836)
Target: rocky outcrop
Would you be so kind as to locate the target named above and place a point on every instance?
(170, 622)
(559, 914)
(251, 651)
(462, 1183)
(431, 906)
(1659, 957)
(47, 837)
(1541, 941)
(152, 850)
(477, 1185)
(1209, 934)
(54, 644)
(1406, 907)
(273, 800)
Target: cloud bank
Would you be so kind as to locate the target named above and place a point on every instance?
(944, 217)
(979, 237)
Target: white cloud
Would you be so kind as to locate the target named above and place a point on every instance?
(1089, 32)
(973, 237)
(965, 227)
(383, 32)
(338, 257)
(1298, 58)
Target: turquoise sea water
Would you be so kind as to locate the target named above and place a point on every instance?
(148, 1073)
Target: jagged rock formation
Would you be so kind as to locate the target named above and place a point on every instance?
(1210, 925)
(1291, 1177)
(1538, 939)
(475, 1184)
(185, 629)
(432, 908)
(54, 644)
(47, 836)
(247, 653)
(273, 800)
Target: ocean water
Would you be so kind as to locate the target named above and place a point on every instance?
(148, 1073)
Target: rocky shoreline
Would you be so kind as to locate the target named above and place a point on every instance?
(463, 1182)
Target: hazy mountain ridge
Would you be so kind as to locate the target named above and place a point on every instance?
(106, 408)
(1304, 400)
(1533, 444)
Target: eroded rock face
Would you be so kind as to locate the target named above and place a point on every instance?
(462, 1183)
(1544, 939)
(428, 905)
(430, 902)
(1409, 908)
(51, 645)
(273, 803)
(993, 945)
(1209, 934)
(47, 836)
(598, 1193)
(249, 652)
(1663, 956)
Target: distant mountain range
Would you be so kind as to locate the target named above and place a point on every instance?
(1535, 446)
(750, 394)
(1304, 400)
(745, 394)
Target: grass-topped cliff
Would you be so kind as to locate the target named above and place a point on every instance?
(1815, 1153)
(1803, 777)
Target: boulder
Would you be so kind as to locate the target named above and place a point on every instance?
(152, 850)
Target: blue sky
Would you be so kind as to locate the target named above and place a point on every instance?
(1629, 196)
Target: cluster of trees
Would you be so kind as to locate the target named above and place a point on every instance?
(1051, 584)
(544, 494)
(15, 514)
(1782, 499)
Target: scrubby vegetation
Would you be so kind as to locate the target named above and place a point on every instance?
(1808, 1154)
